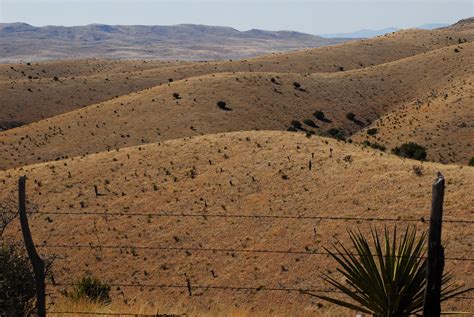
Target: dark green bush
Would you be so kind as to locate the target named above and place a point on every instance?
(372, 131)
(471, 161)
(223, 105)
(337, 134)
(296, 124)
(410, 150)
(319, 115)
(375, 145)
(17, 282)
(91, 289)
(351, 116)
(310, 123)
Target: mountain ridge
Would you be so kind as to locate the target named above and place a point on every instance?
(21, 41)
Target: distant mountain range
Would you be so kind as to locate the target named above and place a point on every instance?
(367, 33)
(24, 42)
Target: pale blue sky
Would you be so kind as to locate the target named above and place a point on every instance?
(311, 16)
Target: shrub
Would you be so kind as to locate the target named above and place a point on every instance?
(319, 115)
(336, 133)
(333, 132)
(55, 78)
(17, 291)
(372, 131)
(471, 161)
(296, 85)
(222, 105)
(90, 289)
(351, 116)
(310, 123)
(296, 124)
(375, 145)
(176, 96)
(410, 150)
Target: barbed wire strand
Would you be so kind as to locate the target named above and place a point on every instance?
(263, 216)
(194, 249)
(231, 288)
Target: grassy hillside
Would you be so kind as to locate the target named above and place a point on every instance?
(85, 82)
(442, 123)
(258, 101)
(246, 174)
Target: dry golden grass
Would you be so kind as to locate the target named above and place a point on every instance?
(258, 104)
(170, 308)
(246, 173)
(85, 82)
(149, 152)
(443, 123)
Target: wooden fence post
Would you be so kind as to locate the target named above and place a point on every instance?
(435, 261)
(36, 261)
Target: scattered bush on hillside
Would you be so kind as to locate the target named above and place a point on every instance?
(310, 134)
(298, 86)
(223, 106)
(296, 124)
(350, 116)
(176, 96)
(90, 289)
(471, 161)
(319, 115)
(310, 123)
(337, 134)
(55, 78)
(274, 81)
(372, 131)
(374, 145)
(410, 150)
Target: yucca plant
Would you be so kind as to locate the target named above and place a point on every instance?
(387, 279)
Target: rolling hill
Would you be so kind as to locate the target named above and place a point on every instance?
(259, 101)
(30, 93)
(237, 174)
(220, 180)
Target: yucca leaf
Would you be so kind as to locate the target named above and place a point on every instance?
(385, 278)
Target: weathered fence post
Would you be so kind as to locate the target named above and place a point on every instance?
(435, 261)
(36, 261)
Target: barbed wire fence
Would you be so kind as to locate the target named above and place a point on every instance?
(189, 286)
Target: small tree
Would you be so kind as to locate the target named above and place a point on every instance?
(17, 281)
(411, 150)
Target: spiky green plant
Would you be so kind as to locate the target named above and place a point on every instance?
(388, 279)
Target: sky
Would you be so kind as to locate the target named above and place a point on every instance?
(310, 16)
